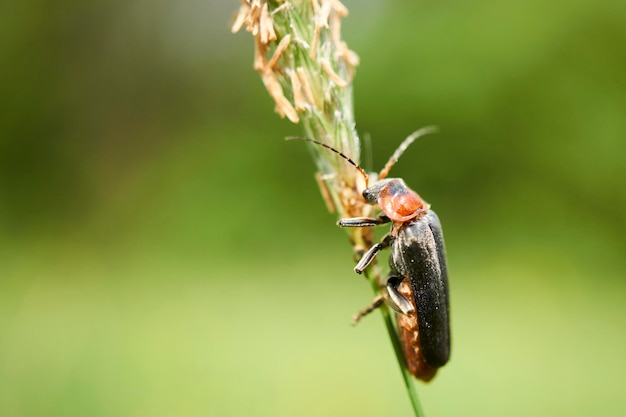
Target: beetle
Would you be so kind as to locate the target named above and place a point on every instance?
(417, 284)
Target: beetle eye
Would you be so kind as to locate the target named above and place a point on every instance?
(369, 196)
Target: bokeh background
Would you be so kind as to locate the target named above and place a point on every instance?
(163, 252)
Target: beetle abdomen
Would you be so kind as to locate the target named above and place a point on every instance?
(410, 339)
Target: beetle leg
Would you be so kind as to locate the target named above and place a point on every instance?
(363, 221)
(369, 256)
(396, 300)
(378, 301)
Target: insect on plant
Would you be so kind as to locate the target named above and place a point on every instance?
(417, 283)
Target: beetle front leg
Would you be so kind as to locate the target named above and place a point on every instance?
(363, 221)
(369, 256)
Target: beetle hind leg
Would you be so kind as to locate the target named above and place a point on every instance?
(392, 297)
(376, 303)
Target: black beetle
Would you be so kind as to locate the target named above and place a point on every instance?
(417, 259)
(417, 284)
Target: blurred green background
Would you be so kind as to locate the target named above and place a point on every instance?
(163, 252)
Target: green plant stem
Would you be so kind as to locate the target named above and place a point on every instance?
(409, 381)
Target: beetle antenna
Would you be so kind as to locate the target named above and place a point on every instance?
(403, 146)
(350, 161)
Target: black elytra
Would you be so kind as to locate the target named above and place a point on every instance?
(418, 254)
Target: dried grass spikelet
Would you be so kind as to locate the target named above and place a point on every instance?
(287, 45)
(307, 70)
